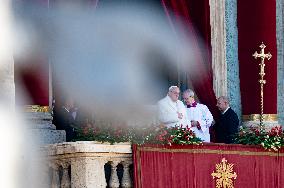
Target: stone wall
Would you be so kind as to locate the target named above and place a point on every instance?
(280, 55)
(233, 80)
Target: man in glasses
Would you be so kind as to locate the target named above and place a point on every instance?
(172, 111)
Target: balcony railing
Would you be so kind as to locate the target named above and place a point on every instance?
(89, 164)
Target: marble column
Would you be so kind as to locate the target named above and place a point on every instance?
(114, 182)
(280, 59)
(126, 179)
(66, 180)
(55, 180)
(88, 172)
(218, 42)
(7, 85)
(224, 41)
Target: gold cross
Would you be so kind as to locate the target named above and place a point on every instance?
(262, 55)
(224, 174)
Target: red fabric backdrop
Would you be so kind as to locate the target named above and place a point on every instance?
(33, 78)
(191, 166)
(256, 24)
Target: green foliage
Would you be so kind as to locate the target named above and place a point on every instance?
(270, 140)
(138, 135)
(182, 135)
(107, 134)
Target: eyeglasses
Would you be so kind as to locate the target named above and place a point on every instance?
(176, 93)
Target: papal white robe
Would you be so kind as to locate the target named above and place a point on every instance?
(168, 112)
(201, 114)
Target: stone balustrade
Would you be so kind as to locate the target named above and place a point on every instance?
(89, 164)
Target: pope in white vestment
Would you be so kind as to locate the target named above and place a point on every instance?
(199, 116)
(172, 111)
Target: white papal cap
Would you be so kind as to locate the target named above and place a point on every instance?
(172, 87)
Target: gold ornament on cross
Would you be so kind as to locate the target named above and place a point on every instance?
(224, 174)
(262, 56)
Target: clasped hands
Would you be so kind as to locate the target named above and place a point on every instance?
(180, 115)
(195, 124)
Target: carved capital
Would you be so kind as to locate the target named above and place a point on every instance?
(65, 164)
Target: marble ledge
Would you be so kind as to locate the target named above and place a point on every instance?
(87, 147)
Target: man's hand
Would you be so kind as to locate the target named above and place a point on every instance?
(180, 116)
(195, 124)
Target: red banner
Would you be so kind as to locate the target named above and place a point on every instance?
(207, 165)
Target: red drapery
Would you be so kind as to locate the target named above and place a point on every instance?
(192, 166)
(256, 24)
(196, 13)
(35, 80)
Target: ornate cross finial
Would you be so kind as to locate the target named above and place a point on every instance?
(262, 56)
(224, 174)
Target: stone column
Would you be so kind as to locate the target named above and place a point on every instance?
(114, 182)
(257, 24)
(55, 180)
(126, 179)
(224, 41)
(88, 172)
(280, 59)
(7, 85)
(65, 181)
(218, 42)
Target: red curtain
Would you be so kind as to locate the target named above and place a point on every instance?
(256, 24)
(34, 79)
(196, 13)
(192, 166)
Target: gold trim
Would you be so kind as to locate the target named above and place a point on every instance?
(210, 151)
(256, 117)
(36, 108)
(139, 165)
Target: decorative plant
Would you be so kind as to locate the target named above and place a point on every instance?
(140, 135)
(107, 134)
(272, 139)
(182, 135)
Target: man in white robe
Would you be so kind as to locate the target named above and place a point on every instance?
(199, 116)
(172, 111)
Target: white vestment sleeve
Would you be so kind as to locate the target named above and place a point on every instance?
(167, 115)
(182, 109)
(206, 118)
